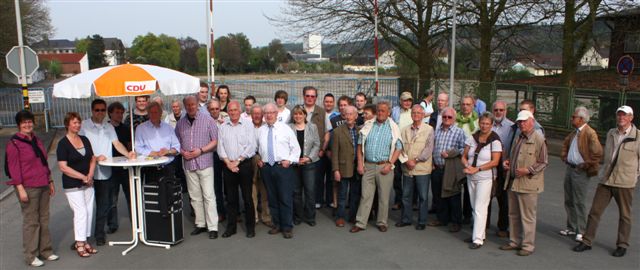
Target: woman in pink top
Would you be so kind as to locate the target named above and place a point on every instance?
(28, 170)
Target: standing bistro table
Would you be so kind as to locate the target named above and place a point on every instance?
(137, 220)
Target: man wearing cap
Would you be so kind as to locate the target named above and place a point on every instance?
(619, 176)
(402, 116)
(525, 169)
(581, 151)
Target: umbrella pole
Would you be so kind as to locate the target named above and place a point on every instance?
(133, 141)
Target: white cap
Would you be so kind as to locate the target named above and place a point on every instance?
(626, 109)
(524, 115)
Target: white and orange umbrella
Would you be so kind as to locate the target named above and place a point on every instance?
(126, 80)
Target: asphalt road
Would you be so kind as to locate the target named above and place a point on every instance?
(328, 247)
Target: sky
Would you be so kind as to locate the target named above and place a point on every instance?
(126, 19)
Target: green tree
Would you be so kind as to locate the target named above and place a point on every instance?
(232, 53)
(95, 52)
(159, 50)
(36, 24)
(277, 52)
(82, 45)
(201, 54)
(188, 57)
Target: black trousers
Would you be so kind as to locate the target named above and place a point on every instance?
(397, 183)
(503, 202)
(243, 179)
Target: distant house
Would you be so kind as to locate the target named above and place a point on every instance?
(72, 63)
(625, 35)
(595, 58)
(54, 46)
(387, 59)
(113, 51)
(540, 65)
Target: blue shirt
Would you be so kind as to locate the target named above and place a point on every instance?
(505, 132)
(481, 107)
(151, 138)
(447, 139)
(379, 142)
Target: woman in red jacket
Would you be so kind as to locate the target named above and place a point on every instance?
(30, 175)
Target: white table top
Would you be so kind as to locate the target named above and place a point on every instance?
(139, 161)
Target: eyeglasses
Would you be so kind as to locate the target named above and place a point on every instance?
(498, 110)
(447, 117)
(214, 109)
(310, 96)
(100, 110)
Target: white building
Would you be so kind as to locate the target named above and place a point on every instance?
(312, 44)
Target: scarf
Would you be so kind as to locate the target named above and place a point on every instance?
(493, 136)
(34, 145)
(461, 120)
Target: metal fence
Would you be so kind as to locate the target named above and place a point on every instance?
(554, 104)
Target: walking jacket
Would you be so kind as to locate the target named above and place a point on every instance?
(621, 171)
(395, 136)
(589, 147)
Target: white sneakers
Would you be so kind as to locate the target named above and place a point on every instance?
(579, 237)
(37, 262)
(567, 232)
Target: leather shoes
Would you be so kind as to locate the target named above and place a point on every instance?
(619, 252)
(382, 228)
(100, 242)
(468, 240)
(475, 246)
(435, 223)
(508, 247)
(340, 222)
(581, 247)
(287, 235)
(228, 234)
(274, 231)
(523, 252)
(213, 234)
(251, 234)
(356, 229)
(396, 206)
(112, 230)
(454, 228)
(502, 234)
(402, 224)
(296, 222)
(311, 223)
(198, 230)
(420, 227)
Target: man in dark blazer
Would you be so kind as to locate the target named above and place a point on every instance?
(344, 147)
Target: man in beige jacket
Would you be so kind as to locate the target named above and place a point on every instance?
(618, 178)
(525, 169)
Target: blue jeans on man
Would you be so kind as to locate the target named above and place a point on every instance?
(352, 186)
(421, 184)
(280, 183)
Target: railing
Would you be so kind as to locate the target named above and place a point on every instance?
(554, 104)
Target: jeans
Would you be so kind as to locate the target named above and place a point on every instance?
(421, 183)
(280, 183)
(218, 187)
(104, 198)
(353, 186)
(304, 208)
(120, 178)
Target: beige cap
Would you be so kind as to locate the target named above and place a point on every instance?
(406, 95)
(626, 109)
(524, 115)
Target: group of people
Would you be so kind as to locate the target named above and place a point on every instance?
(285, 163)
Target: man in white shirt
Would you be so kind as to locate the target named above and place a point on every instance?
(279, 148)
(102, 136)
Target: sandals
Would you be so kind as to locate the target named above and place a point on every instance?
(81, 250)
(84, 250)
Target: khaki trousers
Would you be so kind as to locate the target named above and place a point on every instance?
(371, 180)
(203, 198)
(258, 187)
(624, 198)
(36, 239)
(523, 208)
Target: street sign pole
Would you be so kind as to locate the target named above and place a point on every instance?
(23, 72)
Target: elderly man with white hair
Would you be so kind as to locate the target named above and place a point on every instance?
(581, 151)
(526, 165)
(504, 128)
(618, 179)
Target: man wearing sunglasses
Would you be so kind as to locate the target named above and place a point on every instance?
(102, 136)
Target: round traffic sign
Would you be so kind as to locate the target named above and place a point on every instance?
(625, 65)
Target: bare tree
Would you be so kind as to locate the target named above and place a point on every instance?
(413, 27)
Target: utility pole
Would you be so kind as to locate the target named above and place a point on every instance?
(452, 61)
(23, 72)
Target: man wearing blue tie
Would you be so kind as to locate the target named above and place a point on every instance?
(279, 149)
